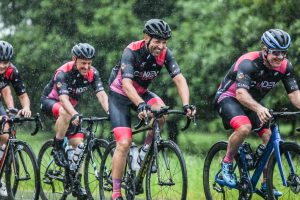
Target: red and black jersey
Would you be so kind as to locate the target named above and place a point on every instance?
(12, 76)
(141, 66)
(67, 80)
(249, 72)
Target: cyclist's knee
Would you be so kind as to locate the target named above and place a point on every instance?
(124, 144)
(63, 114)
(244, 129)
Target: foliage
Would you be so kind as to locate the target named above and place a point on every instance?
(208, 36)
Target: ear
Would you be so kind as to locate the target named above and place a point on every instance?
(264, 51)
(73, 58)
(146, 38)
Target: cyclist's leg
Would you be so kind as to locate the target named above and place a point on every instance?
(119, 110)
(234, 116)
(156, 103)
(3, 142)
(53, 108)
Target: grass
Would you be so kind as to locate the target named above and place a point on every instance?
(194, 146)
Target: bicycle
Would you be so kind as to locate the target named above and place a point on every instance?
(19, 162)
(57, 182)
(285, 178)
(169, 180)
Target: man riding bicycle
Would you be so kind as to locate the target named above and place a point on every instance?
(10, 74)
(238, 99)
(61, 95)
(141, 62)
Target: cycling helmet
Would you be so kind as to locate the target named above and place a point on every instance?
(276, 39)
(83, 51)
(158, 29)
(6, 51)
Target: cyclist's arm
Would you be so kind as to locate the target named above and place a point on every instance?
(25, 102)
(247, 70)
(103, 100)
(7, 97)
(66, 104)
(131, 91)
(183, 89)
(295, 98)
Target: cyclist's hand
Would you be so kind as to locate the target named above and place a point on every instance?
(75, 120)
(25, 112)
(263, 114)
(143, 110)
(190, 110)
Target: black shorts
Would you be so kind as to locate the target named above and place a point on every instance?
(119, 108)
(230, 107)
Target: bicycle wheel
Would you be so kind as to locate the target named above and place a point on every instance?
(52, 177)
(169, 181)
(22, 178)
(212, 170)
(292, 191)
(106, 186)
(92, 163)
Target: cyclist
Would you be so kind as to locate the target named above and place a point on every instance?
(141, 62)
(10, 74)
(61, 95)
(238, 99)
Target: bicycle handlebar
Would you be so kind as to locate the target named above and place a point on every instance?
(90, 120)
(164, 111)
(20, 119)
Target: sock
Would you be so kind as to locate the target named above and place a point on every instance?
(116, 188)
(228, 158)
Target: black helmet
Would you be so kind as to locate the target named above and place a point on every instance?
(6, 51)
(276, 39)
(83, 51)
(158, 29)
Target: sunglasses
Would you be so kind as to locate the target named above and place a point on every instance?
(277, 52)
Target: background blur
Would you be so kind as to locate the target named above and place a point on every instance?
(208, 36)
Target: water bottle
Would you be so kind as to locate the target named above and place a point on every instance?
(142, 154)
(78, 152)
(134, 153)
(2, 149)
(70, 153)
(248, 155)
(258, 153)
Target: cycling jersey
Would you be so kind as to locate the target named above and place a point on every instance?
(249, 72)
(12, 76)
(68, 81)
(141, 66)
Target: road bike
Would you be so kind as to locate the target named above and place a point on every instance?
(281, 158)
(164, 166)
(18, 162)
(58, 182)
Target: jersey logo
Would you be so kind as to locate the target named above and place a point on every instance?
(146, 75)
(263, 84)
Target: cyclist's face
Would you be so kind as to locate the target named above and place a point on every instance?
(83, 66)
(156, 46)
(3, 66)
(275, 57)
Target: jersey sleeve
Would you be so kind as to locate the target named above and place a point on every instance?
(97, 83)
(60, 82)
(127, 64)
(171, 64)
(17, 82)
(289, 80)
(246, 69)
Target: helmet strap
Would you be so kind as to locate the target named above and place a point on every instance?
(148, 43)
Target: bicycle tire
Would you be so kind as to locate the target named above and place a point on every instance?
(212, 165)
(52, 177)
(274, 177)
(170, 165)
(28, 185)
(91, 182)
